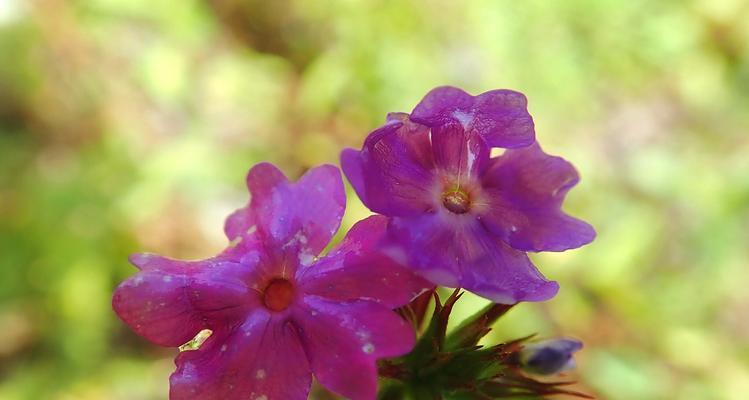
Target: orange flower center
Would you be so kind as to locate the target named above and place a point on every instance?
(456, 201)
(278, 294)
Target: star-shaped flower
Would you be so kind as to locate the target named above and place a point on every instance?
(459, 217)
(278, 313)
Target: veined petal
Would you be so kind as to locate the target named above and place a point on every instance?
(456, 251)
(499, 116)
(344, 340)
(525, 189)
(169, 301)
(352, 166)
(356, 269)
(440, 105)
(505, 275)
(157, 310)
(260, 360)
(457, 152)
(240, 223)
(321, 201)
(305, 214)
(394, 172)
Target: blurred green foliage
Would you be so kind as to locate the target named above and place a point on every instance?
(128, 125)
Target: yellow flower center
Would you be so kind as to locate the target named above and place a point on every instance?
(456, 201)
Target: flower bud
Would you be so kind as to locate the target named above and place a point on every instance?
(549, 357)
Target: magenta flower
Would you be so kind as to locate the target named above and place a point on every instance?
(461, 218)
(277, 312)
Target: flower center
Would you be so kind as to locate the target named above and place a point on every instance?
(456, 201)
(278, 294)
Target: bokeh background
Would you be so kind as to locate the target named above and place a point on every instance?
(129, 125)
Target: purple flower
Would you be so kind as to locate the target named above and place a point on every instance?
(500, 117)
(277, 312)
(461, 218)
(549, 357)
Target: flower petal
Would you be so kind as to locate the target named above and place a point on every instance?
(156, 310)
(239, 223)
(305, 214)
(351, 164)
(458, 152)
(456, 251)
(440, 105)
(505, 275)
(525, 189)
(393, 173)
(344, 340)
(170, 301)
(357, 270)
(499, 116)
(321, 201)
(260, 360)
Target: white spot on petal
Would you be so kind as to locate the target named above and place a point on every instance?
(368, 348)
(237, 240)
(223, 347)
(167, 278)
(471, 157)
(306, 258)
(260, 374)
(464, 118)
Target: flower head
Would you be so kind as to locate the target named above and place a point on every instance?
(277, 312)
(549, 357)
(458, 216)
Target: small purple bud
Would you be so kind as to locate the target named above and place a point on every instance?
(549, 357)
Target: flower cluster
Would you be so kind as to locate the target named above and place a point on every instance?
(270, 311)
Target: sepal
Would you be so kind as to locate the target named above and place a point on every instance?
(455, 366)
